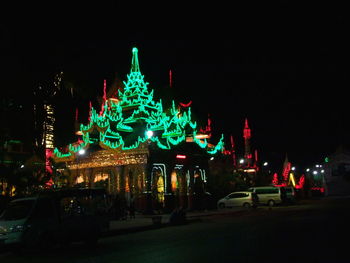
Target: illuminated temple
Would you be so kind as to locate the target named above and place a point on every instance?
(137, 149)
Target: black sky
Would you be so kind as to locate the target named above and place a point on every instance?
(283, 66)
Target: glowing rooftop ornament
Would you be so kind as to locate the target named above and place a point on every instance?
(135, 61)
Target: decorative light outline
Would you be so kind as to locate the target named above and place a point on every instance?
(174, 126)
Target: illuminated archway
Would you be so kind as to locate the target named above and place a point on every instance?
(158, 183)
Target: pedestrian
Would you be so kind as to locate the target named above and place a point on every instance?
(132, 207)
(123, 209)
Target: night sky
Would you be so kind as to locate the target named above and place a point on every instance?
(282, 66)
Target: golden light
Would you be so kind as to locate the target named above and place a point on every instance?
(249, 171)
(115, 100)
(202, 136)
(292, 179)
(189, 139)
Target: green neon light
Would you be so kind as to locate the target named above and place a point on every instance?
(60, 154)
(218, 147)
(136, 106)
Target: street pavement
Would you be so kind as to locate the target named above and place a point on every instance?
(143, 222)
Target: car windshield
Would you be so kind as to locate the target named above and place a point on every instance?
(17, 210)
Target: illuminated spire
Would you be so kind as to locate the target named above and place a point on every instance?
(104, 90)
(246, 136)
(286, 169)
(135, 67)
(90, 108)
(135, 88)
(246, 130)
(104, 97)
(232, 143)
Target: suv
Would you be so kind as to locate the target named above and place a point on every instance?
(51, 217)
(243, 199)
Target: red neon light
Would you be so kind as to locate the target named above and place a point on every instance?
(170, 79)
(90, 108)
(301, 182)
(207, 128)
(49, 183)
(321, 189)
(180, 156)
(227, 152)
(232, 143)
(286, 171)
(246, 130)
(104, 90)
(186, 105)
(48, 155)
(104, 98)
(275, 179)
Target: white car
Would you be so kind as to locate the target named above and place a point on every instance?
(243, 199)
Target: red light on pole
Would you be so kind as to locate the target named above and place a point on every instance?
(180, 156)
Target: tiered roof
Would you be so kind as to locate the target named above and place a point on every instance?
(127, 122)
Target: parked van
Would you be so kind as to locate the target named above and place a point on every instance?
(51, 217)
(269, 195)
(290, 195)
(243, 199)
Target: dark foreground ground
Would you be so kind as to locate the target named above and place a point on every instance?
(313, 231)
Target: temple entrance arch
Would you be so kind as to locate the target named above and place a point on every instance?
(158, 185)
(134, 183)
(199, 189)
(180, 185)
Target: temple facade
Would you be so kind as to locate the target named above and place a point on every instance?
(153, 156)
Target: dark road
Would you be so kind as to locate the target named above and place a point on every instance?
(313, 232)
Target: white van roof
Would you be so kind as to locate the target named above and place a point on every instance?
(267, 186)
(263, 187)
